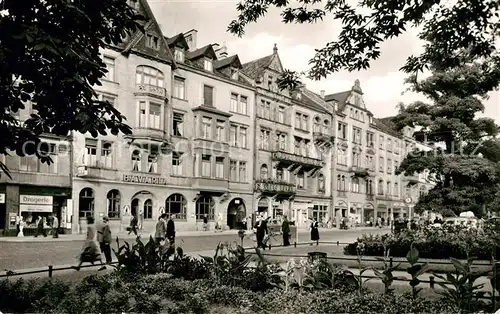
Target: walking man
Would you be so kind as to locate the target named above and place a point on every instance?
(55, 227)
(104, 239)
(171, 230)
(133, 225)
(285, 230)
(161, 229)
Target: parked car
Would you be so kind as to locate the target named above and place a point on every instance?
(471, 222)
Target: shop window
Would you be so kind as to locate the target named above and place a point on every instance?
(176, 205)
(86, 203)
(205, 206)
(148, 209)
(113, 200)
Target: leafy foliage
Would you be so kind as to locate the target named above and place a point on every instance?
(415, 270)
(50, 57)
(447, 29)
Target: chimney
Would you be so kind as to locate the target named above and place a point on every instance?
(220, 51)
(191, 38)
(322, 93)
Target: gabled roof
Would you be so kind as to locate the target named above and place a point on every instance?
(341, 97)
(152, 23)
(313, 101)
(177, 39)
(254, 69)
(207, 51)
(229, 61)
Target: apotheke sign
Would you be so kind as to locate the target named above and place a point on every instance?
(144, 179)
(36, 199)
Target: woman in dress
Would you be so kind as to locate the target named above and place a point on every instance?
(21, 227)
(314, 231)
(90, 251)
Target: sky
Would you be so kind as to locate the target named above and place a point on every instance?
(382, 84)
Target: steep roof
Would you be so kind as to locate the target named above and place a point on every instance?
(255, 68)
(232, 60)
(207, 51)
(313, 101)
(177, 39)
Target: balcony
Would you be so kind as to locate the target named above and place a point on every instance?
(413, 179)
(150, 90)
(342, 193)
(360, 172)
(88, 172)
(144, 136)
(385, 197)
(210, 184)
(323, 139)
(293, 161)
(370, 197)
(275, 187)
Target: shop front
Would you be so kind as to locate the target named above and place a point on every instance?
(32, 204)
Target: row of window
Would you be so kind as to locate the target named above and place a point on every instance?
(390, 189)
(342, 133)
(284, 175)
(368, 162)
(215, 167)
(175, 204)
(238, 135)
(278, 140)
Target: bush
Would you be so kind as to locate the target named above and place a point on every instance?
(160, 293)
(439, 243)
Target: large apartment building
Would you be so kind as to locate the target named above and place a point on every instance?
(190, 151)
(293, 146)
(368, 152)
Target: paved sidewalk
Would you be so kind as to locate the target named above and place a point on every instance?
(126, 236)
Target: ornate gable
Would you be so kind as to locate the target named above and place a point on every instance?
(356, 96)
(275, 64)
(151, 43)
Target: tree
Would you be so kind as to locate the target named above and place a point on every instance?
(49, 55)
(464, 179)
(446, 29)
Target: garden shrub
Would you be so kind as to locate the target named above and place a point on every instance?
(438, 243)
(161, 294)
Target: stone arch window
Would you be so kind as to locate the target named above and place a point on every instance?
(280, 176)
(205, 205)
(396, 189)
(380, 187)
(321, 183)
(176, 205)
(369, 187)
(389, 188)
(86, 203)
(264, 172)
(317, 124)
(148, 209)
(113, 204)
(326, 126)
(149, 76)
(136, 160)
(355, 185)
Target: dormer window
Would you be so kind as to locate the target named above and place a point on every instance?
(269, 82)
(179, 55)
(234, 74)
(208, 66)
(153, 42)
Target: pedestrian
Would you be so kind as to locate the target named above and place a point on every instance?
(205, 222)
(285, 230)
(104, 239)
(40, 228)
(21, 225)
(133, 225)
(140, 223)
(55, 227)
(161, 229)
(171, 230)
(261, 231)
(90, 251)
(314, 231)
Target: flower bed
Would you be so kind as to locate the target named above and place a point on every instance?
(437, 243)
(162, 294)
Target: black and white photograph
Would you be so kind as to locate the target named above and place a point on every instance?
(249, 156)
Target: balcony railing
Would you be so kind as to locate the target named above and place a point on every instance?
(342, 193)
(275, 186)
(321, 137)
(296, 159)
(370, 197)
(412, 179)
(151, 89)
(361, 172)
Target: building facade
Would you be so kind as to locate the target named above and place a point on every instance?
(368, 153)
(190, 153)
(36, 189)
(293, 137)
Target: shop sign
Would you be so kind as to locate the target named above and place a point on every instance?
(2, 198)
(144, 179)
(35, 200)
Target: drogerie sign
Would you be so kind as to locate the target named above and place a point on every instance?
(144, 179)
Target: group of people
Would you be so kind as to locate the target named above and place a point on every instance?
(41, 226)
(261, 230)
(97, 241)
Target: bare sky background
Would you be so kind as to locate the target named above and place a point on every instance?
(382, 84)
